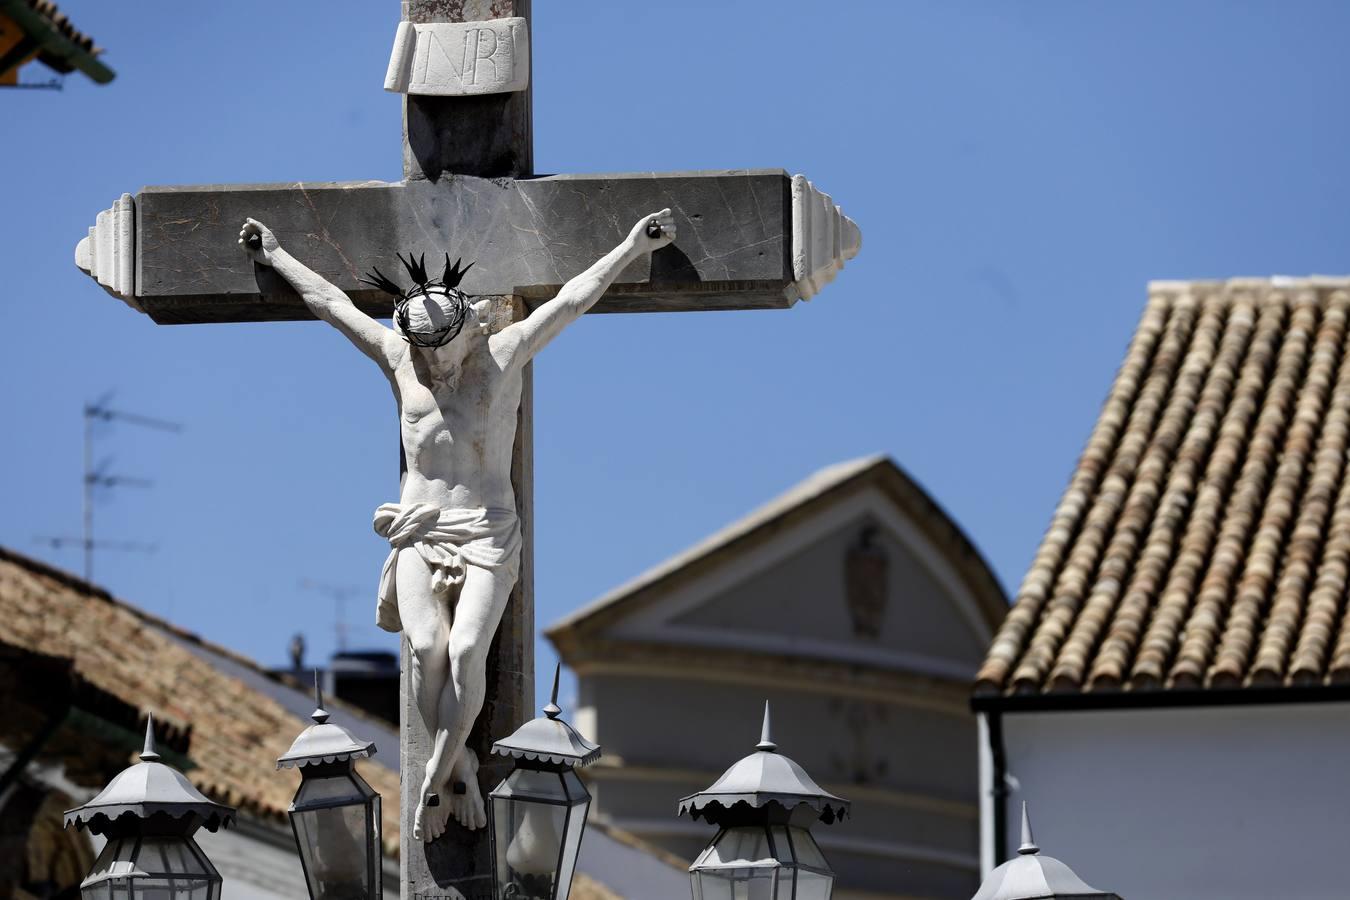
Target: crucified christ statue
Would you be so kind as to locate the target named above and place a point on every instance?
(455, 540)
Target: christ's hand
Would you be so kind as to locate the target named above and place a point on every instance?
(653, 232)
(520, 341)
(258, 241)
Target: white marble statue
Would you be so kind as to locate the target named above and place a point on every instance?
(454, 534)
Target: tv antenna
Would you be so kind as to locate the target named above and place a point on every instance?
(96, 475)
(340, 594)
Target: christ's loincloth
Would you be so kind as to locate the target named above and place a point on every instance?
(448, 540)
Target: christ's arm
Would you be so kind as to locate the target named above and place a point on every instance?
(521, 341)
(325, 301)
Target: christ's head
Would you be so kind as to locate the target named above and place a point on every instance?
(432, 317)
(433, 312)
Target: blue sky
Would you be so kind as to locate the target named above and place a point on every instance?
(1019, 170)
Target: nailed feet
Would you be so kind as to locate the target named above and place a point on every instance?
(466, 799)
(463, 800)
(430, 818)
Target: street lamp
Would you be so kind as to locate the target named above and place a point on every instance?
(1030, 876)
(763, 806)
(335, 815)
(539, 810)
(149, 813)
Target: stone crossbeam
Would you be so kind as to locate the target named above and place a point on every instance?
(748, 239)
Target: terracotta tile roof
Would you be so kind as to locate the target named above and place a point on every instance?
(59, 44)
(62, 25)
(236, 732)
(1204, 539)
(585, 887)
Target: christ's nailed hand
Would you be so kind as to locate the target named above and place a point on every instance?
(258, 242)
(653, 232)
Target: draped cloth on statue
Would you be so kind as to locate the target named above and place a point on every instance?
(447, 540)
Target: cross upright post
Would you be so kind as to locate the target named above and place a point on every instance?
(747, 239)
(484, 136)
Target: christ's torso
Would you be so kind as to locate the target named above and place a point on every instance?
(458, 432)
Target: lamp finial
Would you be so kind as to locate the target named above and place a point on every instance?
(553, 710)
(1028, 847)
(149, 753)
(765, 735)
(320, 715)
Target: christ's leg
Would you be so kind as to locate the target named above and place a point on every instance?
(482, 600)
(428, 635)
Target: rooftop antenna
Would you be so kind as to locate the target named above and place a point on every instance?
(340, 594)
(96, 475)
(296, 651)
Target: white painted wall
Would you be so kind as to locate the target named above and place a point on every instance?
(1217, 803)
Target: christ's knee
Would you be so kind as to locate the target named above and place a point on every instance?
(468, 670)
(428, 655)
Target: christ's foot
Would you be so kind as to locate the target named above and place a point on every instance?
(466, 799)
(430, 818)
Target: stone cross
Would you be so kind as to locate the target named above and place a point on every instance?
(746, 240)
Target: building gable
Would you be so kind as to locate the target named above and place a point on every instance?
(854, 566)
(854, 583)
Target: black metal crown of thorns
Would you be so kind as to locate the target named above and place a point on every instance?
(447, 287)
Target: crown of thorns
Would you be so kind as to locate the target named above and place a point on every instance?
(446, 286)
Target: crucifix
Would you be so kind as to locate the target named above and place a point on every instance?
(542, 250)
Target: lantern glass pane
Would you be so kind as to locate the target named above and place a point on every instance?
(334, 842)
(537, 819)
(534, 784)
(169, 889)
(741, 846)
(330, 790)
(746, 883)
(806, 850)
(101, 890)
(759, 862)
(814, 885)
(335, 816)
(576, 827)
(113, 862)
(376, 842)
(529, 841)
(154, 868)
